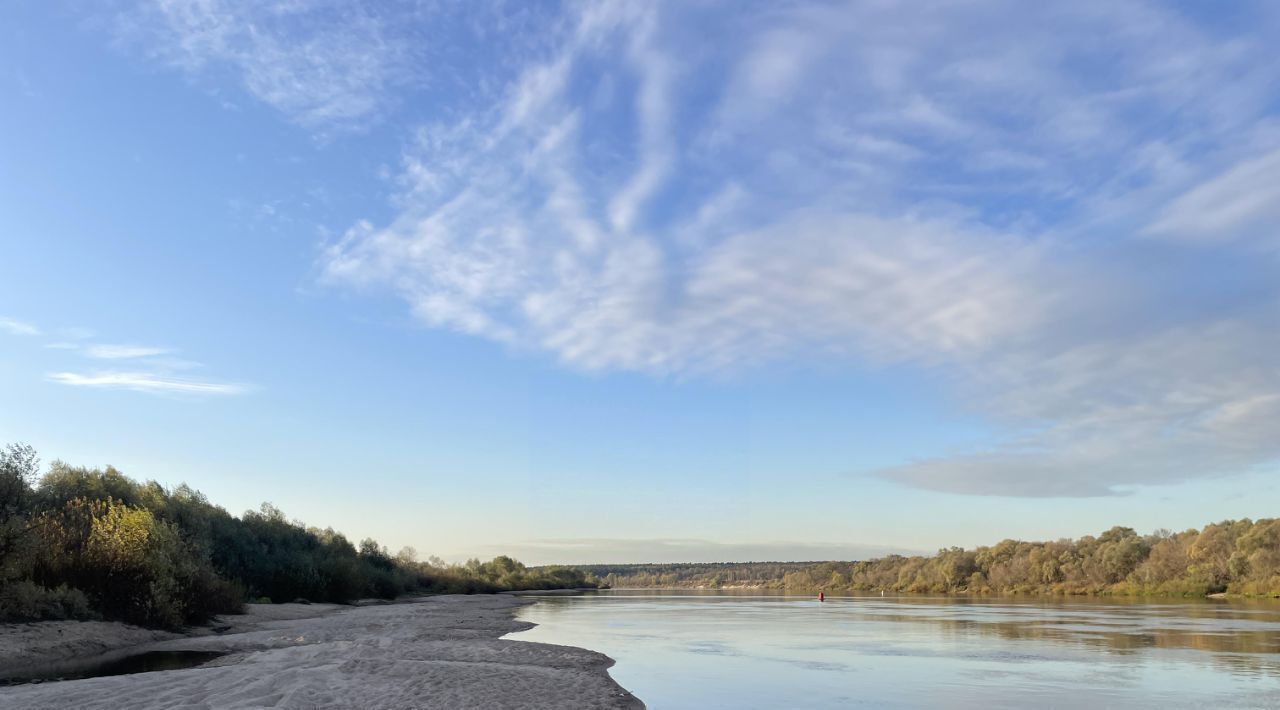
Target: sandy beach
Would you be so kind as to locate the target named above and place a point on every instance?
(434, 652)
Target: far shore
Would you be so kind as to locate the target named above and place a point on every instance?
(961, 593)
(428, 652)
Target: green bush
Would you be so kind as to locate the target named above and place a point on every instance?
(87, 540)
(24, 600)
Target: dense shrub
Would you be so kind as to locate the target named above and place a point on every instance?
(24, 600)
(84, 541)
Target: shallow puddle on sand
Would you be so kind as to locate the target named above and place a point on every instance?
(136, 663)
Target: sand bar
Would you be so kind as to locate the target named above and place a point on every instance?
(435, 652)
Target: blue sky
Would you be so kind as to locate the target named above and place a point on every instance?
(605, 281)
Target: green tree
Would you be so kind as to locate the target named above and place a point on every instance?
(19, 468)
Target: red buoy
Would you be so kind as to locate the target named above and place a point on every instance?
(821, 597)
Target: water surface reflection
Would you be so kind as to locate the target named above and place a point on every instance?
(689, 649)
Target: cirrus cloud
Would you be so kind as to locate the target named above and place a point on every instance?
(145, 382)
(152, 371)
(17, 327)
(879, 186)
(124, 352)
(327, 66)
(968, 189)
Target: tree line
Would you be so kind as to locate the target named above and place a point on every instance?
(80, 543)
(710, 575)
(1240, 557)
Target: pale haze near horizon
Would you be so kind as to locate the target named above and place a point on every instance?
(606, 282)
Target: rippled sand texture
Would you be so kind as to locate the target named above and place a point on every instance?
(440, 652)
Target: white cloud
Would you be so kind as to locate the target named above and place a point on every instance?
(855, 284)
(323, 65)
(1142, 408)
(124, 352)
(955, 187)
(602, 294)
(674, 188)
(17, 327)
(146, 382)
(159, 362)
(1241, 203)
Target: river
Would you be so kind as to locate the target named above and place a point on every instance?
(683, 649)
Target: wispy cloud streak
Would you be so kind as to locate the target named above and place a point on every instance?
(152, 373)
(17, 327)
(146, 382)
(124, 352)
(1017, 199)
(327, 66)
(935, 188)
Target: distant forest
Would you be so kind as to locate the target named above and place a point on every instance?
(80, 543)
(688, 575)
(1235, 556)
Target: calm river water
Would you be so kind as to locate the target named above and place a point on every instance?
(687, 650)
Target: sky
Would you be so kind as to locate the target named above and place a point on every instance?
(652, 281)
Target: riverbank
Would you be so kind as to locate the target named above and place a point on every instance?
(433, 652)
(955, 593)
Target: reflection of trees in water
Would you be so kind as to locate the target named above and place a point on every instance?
(1242, 651)
(1240, 638)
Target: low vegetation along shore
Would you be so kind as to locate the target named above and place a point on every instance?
(78, 543)
(1234, 557)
